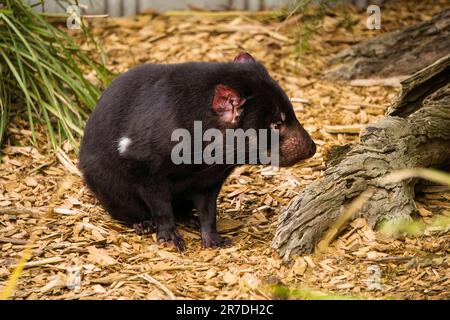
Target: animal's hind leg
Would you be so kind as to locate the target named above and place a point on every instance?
(130, 211)
(120, 199)
(122, 203)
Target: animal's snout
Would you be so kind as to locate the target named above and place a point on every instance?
(312, 148)
(296, 145)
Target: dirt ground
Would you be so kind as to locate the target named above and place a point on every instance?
(43, 193)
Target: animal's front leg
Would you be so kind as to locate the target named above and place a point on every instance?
(205, 203)
(160, 206)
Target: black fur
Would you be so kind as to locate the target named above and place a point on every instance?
(142, 186)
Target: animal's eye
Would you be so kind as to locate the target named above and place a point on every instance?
(276, 125)
(279, 121)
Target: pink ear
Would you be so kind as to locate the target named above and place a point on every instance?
(226, 104)
(244, 57)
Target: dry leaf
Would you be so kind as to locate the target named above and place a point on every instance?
(100, 257)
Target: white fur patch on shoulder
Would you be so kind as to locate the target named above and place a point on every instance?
(124, 142)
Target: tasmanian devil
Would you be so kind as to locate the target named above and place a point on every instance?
(126, 153)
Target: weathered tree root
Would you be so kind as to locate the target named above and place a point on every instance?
(397, 53)
(414, 133)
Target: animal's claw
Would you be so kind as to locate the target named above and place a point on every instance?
(171, 235)
(214, 240)
(144, 227)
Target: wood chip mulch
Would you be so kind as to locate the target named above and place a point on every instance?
(77, 241)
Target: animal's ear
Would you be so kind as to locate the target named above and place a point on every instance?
(227, 104)
(244, 57)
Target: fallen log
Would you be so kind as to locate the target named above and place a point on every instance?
(399, 53)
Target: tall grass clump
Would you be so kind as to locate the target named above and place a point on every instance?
(42, 74)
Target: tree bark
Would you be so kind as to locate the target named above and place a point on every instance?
(397, 53)
(414, 133)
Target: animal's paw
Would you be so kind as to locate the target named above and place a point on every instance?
(171, 235)
(144, 227)
(214, 240)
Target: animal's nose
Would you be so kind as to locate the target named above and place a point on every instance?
(312, 148)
